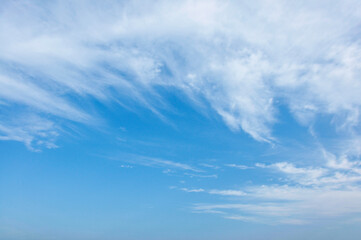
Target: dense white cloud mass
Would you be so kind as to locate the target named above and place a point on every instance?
(241, 59)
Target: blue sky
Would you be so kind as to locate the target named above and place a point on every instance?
(180, 120)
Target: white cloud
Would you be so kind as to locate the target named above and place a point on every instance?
(209, 166)
(228, 192)
(154, 162)
(305, 176)
(33, 131)
(239, 57)
(279, 204)
(201, 175)
(303, 196)
(196, 190)
(243, 167)
(24, 92)
(243, 59)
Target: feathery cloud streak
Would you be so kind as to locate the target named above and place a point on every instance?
(241, 58)
(305, 195)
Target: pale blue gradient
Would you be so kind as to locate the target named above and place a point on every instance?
(180, 120)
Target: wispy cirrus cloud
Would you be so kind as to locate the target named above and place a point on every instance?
(192, 190)
(229, 192)
(241, 58)
(239, 166)
(304, 195)
(244, 61)
(305, 176)
(154, 162)
(35, 132)
(289, 205)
